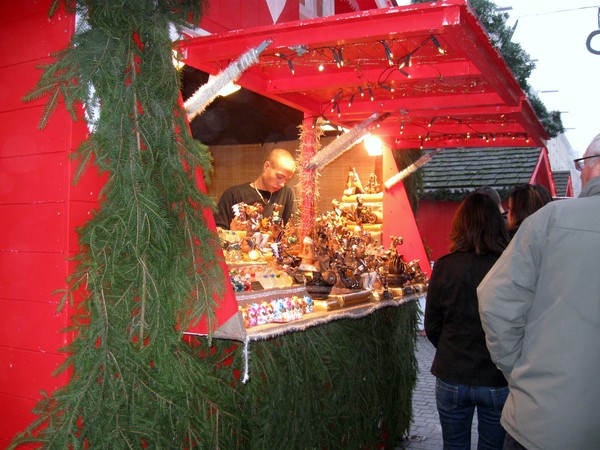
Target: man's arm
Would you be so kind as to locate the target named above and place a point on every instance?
(506, 295)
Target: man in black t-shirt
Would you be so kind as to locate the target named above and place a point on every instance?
(268, 189)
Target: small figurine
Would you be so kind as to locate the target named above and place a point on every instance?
(353, 184)
(373, 186)
(307, 255)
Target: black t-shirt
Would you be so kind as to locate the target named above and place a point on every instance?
(247, 194)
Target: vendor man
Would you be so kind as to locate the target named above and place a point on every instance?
(268, 189)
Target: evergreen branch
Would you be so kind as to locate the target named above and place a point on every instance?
(49, 108)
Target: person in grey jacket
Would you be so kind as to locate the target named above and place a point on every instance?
(540, 311)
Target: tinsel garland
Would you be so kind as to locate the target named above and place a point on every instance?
(310, 134)
(147, 265)
(343, 143)
(197, 103)
(410, 169)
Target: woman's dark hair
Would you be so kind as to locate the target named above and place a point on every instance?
(525, 199)
(478, 226)
(543, 192)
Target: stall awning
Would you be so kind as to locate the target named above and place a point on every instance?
(430, 70)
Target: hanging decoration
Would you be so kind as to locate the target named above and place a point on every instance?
(343, 143)
(197, 103)
(410, 169)
(310, 133)
(275, 8)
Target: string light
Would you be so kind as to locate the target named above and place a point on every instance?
(388, 53)
(340, 56)
(289, 62)
(336, 58)
(437, 44)
(406, 62)
(392, 85)
(336, 96)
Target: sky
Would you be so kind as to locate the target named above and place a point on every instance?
(554, 32)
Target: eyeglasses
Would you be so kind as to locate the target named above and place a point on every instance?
(580, 163)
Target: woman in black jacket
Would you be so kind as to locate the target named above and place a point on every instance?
(466, 377)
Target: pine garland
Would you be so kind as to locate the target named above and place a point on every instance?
(147, 255)
(344, 385)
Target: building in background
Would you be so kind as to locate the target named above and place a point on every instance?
(454, 173)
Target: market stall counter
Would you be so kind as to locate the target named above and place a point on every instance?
(346, 383)
(321, 351)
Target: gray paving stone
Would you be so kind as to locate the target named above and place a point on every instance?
(425, 432)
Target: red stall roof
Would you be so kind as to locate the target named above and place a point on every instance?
(430, 70)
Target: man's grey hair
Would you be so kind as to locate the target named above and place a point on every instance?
(594, 147)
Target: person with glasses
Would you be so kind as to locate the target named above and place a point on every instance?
(540, 310)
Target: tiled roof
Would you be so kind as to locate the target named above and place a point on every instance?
(561, 181)
(456, 171)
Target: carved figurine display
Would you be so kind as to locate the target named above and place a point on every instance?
(343, 249)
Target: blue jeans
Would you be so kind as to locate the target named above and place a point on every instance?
(456, 404)
(510, 443)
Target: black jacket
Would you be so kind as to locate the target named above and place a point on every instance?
(452, 321)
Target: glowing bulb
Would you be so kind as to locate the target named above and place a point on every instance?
(373, 145)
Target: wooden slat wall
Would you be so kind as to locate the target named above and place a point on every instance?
(39, 212)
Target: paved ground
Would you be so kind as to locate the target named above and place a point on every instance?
(425, 432)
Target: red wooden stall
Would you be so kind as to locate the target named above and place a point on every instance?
(457, 83)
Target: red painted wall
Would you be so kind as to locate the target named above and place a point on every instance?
(39, 211)
(228, 15)
(399, 219)
(434, 220)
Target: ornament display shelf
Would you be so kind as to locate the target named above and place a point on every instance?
(368, 304)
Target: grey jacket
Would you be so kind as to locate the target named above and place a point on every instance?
(540, 310)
